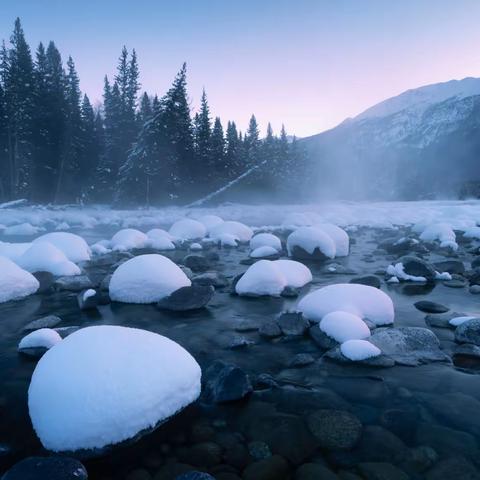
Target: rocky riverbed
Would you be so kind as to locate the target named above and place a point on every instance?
(277, 401)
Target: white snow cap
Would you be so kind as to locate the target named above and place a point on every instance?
(13, 251)
(73, 246)
(22, 229)
(343, 326)
(44, 337)
(156, 233)
(267, 277)
(356, 350)
(128, 239)
(263, 252)
(265, 240)
(238, 230)
(442, 232)
(188, 229)
(45, 257)
(472, 232)
(397, 271)
(311, 238)
(196, 246)
(210, 221)
(455, 322)
(103, 385)
(361, 300)
(15, 283)
(146, 279)
(339, 237)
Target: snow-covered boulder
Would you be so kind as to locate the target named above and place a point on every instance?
(265, 240)
(146, 279)
(38, 341)
(343, 326)
(45, 257)
(339, 236)
(472, 232)
(210, 221)
(238, 230)
(188, 229)
(358, 350)
(227, 240)
(128, 239)
(104, 385)
(310, 242)
(441, 232)
(264, 252)
(267, 277)
(73, 246)
(100, 248)
(361, 300)
(15, 283)
(159, 233)
(13, 251)
(22, 229)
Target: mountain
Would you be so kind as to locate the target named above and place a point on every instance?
(420, 144)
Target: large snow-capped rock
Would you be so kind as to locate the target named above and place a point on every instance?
(128, 239)
(73, 246)
(103, 385)
(210, 221)
(343, 326)
(160, 239)
(361, 300)
(15, 283)
(146, 279)
(237, 230)
(13, 251)
(310, 241)
(339, 236)
(188, 229)
(45, 257)
(265, 240)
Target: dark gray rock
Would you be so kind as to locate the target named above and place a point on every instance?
(105, 283)
(335, 429)
(33, 352)
(293, 323)
(450, 266)
(225, 383)
(290, 292)
(46, 280)
(442, 320)
(215, 279)
(456, 283)
(474, 276)
(468, 332)
(259, 450)
(314, 471)
(320, 338)
(474, 289)
(399, 245)
(476, 263)
(197, 263)
(453, 468)
(381, 471)
(195, 476)
(270, 329)
(299, 253)
(417, 267)
(381, 361)
(88, 302)
(76, 283)
(409, 345)
(272, 468)
(370, 280)
(301, 360)
(49, 321)
(43, 468)
(193, 297)
(430, 307)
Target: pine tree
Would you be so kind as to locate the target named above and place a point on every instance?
(268, 171)
(252, 143)
(145, 112)
(232, 154)
(3, 146)
(217, 168)
(203, 131)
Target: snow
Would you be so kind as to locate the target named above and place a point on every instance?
(265, 240)
(160, 239)
(263, 252)
(73, 246)
(146, 279)
(442, 276)
(210, 221)
(343, 326)
(397, 271)
(22, 229)
(128, 239)
(472, 232)
(89, 293)
(13, 251)
(361, 300)
(357, 350)
(100, 248)
(237, 229)
(188, 229)
(311, 238)
(45, 257)
(459, 320)
(227, 240)
(339, 237)
(156, 233)
(267, 277)
(441, 232)
(15, 283)
(195, 247)
(105, 384)
(44, 337)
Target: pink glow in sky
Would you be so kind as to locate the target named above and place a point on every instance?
(306, 63)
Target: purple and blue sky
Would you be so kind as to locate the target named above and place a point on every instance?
(307, 63)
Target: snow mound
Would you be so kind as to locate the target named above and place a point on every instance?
(238, 230)
(296, 273)
(310, 239)
(441, 232)
(73, 246)
(473, 232)
(45, 257)
(44, 337)
(100, 248)
(128, 239)
(210, 221)
(146, 279)
(188, 229)
(339, 237)
(265, 240)
(22, 229)
(397, 271)
(195, 247)
(15, 283)
(98, 388)
(263, 252)
(357, 350)
(343, 326)
(13, 251)
(156, 233)
(361, 300)
(227, 240)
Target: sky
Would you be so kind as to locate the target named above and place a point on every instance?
(306, 63)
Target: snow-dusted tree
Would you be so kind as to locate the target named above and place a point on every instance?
(217, 167)
(3, 147)
(145, 111)
(252, 143)
(202, 133)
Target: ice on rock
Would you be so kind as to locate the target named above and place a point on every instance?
(361, 300)
(45, 257)
(188, 229)
(22, 229)
(473, 232)
(339, 237)
(146, 279)
(128, 239)
(73, 246)
(397, 271)
(456, 321)
(265, 240)
(15, 283)
(104, 385)
(100, 248)
(441, 232)
(196, 247)
(155, 233)
(357, 350)
(227, 240)
(210, 221)
(13, 251)
(310, 239)
(267, 277)
(42, 338)
(238, 230)
(264, 252)
(160, 239)
(343, 326)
